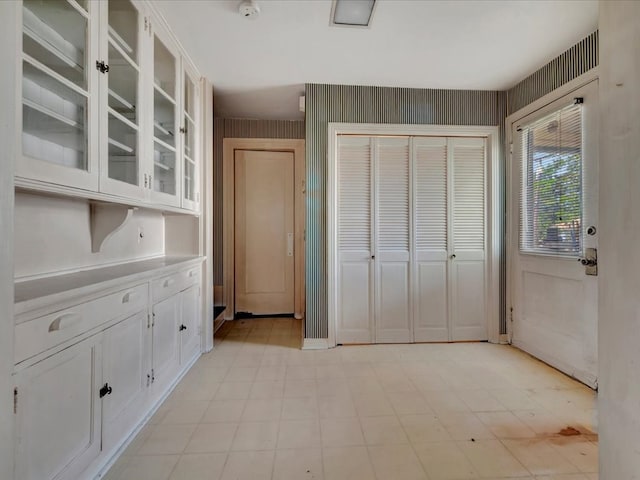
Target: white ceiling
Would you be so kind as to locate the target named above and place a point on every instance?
(259, 66)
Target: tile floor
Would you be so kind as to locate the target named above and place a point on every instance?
(258, 407)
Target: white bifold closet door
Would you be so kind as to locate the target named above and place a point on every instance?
(355, 251)
(392, 242)
(411, 239)
(467, 266)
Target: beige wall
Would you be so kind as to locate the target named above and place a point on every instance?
(619, 231)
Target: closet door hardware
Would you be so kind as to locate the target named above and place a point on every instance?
(182, 327)
(452, 256)
(150, 183)
(105, 390)
(183, 130)
(145, 180)
(102, 67)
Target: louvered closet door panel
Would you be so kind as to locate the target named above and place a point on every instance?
(392, 234)
(355, 315)
(467, 272)
(431, 311)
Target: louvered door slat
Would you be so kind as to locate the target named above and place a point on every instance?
(393, 195)
(468, 187)
(354, 180)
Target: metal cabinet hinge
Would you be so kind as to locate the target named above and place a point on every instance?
(15, 400)
(146, 24)
(148, 379)
(511, 314)
(153, 375)
(197, 196)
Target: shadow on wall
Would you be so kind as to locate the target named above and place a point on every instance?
(282, 102)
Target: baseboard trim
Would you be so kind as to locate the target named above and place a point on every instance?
(315, 344)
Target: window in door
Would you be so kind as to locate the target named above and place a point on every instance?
(551, 206)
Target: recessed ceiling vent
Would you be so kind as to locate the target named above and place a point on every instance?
(249, 9)
(352, 13)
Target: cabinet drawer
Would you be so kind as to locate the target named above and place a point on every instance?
(191, 276)
(176, 282)
(46, 332)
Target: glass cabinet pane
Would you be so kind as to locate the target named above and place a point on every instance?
(54, 83)
(189, 139)
(164, 177)
(55, 35)
(164, 169)
(123, 92)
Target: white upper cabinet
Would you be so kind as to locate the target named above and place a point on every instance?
(122, 172)
(165, 185)
(190, 139)
(110, 104)
(59, 93)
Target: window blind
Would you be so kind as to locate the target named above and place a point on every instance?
(551, 188)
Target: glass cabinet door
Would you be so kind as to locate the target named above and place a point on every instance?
(123, 92)
(165, 166)
(55, 91)
(189, 131)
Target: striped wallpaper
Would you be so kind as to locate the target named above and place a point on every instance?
(340, 103)
(239, 128)
(579, 59)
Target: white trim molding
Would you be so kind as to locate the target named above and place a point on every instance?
(494, 191)
(316, 344)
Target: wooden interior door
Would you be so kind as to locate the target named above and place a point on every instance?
(264, 232)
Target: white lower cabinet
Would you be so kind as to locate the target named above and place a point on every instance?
(165, 354)
(189, 328)
(124, 372)
(76, 406)
(58, 413)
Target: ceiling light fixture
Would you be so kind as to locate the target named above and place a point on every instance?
(352, 13)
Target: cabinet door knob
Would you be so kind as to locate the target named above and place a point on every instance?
(183, 327)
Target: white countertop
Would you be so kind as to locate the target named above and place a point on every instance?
(33, 294)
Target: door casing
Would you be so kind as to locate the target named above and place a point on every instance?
(230, 145)
(493, 192)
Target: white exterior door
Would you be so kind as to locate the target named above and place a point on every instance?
(554, 221)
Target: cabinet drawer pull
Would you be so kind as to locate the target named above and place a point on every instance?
(169, 282)
(129, 297)
(64, 321)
